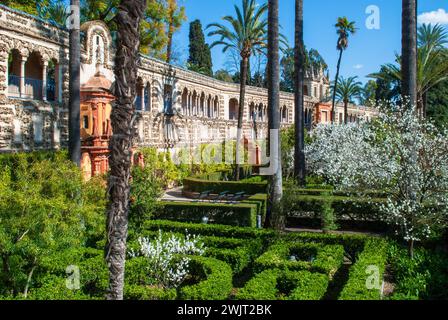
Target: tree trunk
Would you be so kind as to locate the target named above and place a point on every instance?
(74, 134)
(239, 135)
(409, 50)
(299, 157)
(333, 105)
(345, 112)
(274, 219)
(411, 248)
(130, 12)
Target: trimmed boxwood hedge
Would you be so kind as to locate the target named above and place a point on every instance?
(374, 254)
(207, 229)
(306, 205)
(327, 258)
(212, 182)
(241, 214)
(275, 284)
(217, 285)
(136, 292)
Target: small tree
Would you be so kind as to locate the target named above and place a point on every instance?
(381, 156)
(200, 55)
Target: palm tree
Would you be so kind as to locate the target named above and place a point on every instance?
(344, 30)
(276, 183)
(432, 64)
(299, 156)
(247, 36)
(347, 90)
(409, 50)
(54, 11)
(74, 135)
(130, 13)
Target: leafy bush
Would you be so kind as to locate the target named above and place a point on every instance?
(356, 288)
(217, 284)
(328, 217)
(45, 207)
(423, 277)
(145, 191)
(315, 257)
(275, 284)
(241, 214)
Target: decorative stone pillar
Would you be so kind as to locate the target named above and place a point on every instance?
(44, 81)
(142, 102)
(22, 76)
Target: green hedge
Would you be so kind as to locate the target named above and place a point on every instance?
(214, 182)
(315, 257)
(374, 254)
(136, 292)
(275, 284)
(241, 214)
(217, 285)
(238, 253)
(207, 229)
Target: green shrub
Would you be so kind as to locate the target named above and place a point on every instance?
(217, 284)
(202, 184)
(135, 292)
(241, 214)
(425, 276)
(276, 284)
(315, 257)
(262, 287)
(328, 216)
(207, 229)
(238, 253)
(55, 288)
(374, 254)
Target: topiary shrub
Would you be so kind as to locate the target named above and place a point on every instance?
(276, 284)
(241, 214)
(217, 284)
(357, 288)
(315, 257)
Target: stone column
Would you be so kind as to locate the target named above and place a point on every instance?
(22, 76)
(44, 81)
(142, 102)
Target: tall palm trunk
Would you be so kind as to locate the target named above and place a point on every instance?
(409, 87)
(74, 134)
(299, 156)
(276, 184)
(333, 105)
(345, 111)
(409, 50)
(239, 135)
(130, 12)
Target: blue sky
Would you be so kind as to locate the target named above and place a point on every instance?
(368, 48)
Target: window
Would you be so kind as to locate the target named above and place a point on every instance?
(85, 122)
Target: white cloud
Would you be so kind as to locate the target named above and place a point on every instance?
(439, 16)
(358, 66)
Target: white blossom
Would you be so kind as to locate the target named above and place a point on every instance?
(398, 154)
(167, 261)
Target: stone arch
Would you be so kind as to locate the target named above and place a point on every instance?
(185, 101)
(34, 68)
(216, 107)
(14, 72)
(233, 109)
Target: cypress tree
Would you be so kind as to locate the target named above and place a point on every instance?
(200, 55)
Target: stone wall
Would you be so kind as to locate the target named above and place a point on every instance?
(28, 124)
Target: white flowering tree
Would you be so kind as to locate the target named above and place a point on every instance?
(166, 256)
(398, 154)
